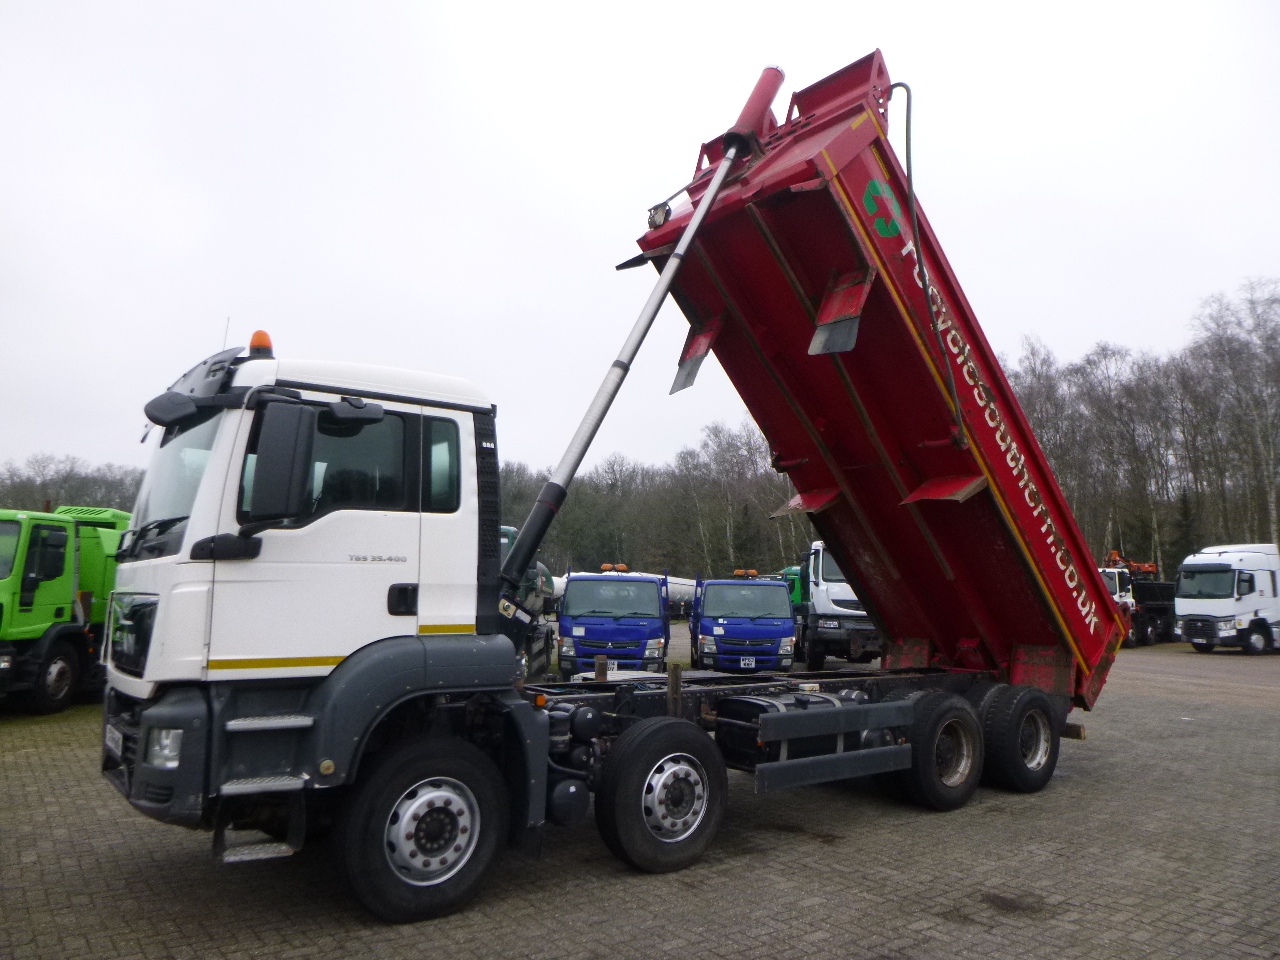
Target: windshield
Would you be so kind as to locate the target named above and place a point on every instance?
(1206, 584)
(611, 598)
(830, 572)
(169, 488)
(746, 600)
(1113, 582)
(9, 533)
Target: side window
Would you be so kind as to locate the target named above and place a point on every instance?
(1246, 584)
(354, 466)
(47, 554)
(441, 472)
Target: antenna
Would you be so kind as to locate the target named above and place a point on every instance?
(226, 330)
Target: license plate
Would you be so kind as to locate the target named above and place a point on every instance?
(114, 740)
(613, 665)
(748, 663)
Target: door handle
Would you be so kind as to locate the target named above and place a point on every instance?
(402, 600)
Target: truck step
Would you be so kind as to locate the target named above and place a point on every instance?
(244, 852)
(292, 721)
(261, 785)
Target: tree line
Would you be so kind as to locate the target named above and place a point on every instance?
(1158, 456)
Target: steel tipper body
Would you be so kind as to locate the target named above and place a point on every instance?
(56, 573)
(745, 624)
(852, 344)
(619, 615)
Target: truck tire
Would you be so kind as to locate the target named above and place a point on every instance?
(1145, 633)
(946, 752)
(815, 656)
(1202, 647)
(1255, 641)
(422, 829)
(662, 794)
(1020, 739)
(56, 679)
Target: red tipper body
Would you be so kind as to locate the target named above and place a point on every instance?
(958, 540)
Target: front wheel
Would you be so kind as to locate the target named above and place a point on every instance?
(815, 656)
(55, 679)
(1202, 647)
(423, 828)
(1255, 641)
(662, 795)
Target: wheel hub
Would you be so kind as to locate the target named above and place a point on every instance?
(953, 753)
(1034, 740)
(57, 678)
(432, 830)
(675, 797)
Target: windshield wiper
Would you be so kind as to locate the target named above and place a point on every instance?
(159, 526)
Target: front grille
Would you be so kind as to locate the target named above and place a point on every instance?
(734, 642)
(125, 714)
(606, 645)
(1198, 628)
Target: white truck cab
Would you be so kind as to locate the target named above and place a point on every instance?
(1226, 597)
(835, 621)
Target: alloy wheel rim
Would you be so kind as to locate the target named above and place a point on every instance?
(1034, 740)
(674, 797)
(57, 679)
(953, 753)
(432, 831)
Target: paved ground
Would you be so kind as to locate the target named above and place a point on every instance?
(1157, 838)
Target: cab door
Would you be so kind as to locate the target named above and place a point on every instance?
(341, 574)
(44, 595)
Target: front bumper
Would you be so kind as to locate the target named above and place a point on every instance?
(172, 796)
(732, 662)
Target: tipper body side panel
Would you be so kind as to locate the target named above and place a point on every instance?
(952, 529)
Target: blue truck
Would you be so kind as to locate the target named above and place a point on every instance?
(743, 624)
(623, 616)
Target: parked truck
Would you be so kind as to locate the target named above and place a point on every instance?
(616, 614)
(311, 628)
(56, 572)
(830, 619)
(1149, 599)
(745, 624)
(1227, 597)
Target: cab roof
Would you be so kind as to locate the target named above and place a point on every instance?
(366, 380)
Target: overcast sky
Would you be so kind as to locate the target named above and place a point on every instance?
(447, 187)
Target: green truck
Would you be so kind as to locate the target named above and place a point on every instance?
(57, 571)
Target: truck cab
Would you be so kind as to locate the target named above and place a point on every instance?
(1226, 597)
(621, 615)
(744, 624)
(835, 621)
(56, 571)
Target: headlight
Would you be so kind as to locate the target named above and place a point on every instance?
(6, 662)
(707, 644)
(163, 748)
(1226, 628)
(829, 624)
(566, 647)
(653, 647)
(786, 646)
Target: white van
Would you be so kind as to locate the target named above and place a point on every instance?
(1226, 597)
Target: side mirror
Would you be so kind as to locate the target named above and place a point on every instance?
(169, 408)
(282, 473)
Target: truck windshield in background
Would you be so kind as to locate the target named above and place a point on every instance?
(1118, 581)
(609, 598)
(754, 600)
(1206, 584)
(830, 572)
(170, 485)
(10, 530)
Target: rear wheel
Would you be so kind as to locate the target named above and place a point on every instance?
(815, 656)
(946, 752)
(56, 679)
(1021, 740)
(662, 795)
(422, 829)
